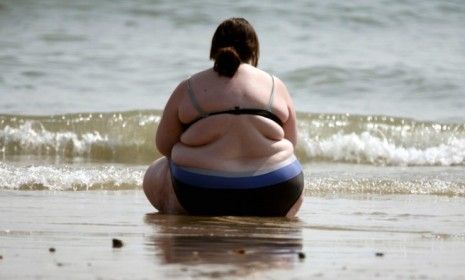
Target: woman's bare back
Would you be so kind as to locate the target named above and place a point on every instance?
(233, 142)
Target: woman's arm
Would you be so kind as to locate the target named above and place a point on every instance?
(170, 127)
(290, 125)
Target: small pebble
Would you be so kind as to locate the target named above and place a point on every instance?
(240, 251)
(379, 254)
(1, 257)
(51, 250)
(301, 255)
(117, 243)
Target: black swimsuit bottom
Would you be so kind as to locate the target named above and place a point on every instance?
(269, 192)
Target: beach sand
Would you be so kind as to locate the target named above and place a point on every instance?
(68, 235)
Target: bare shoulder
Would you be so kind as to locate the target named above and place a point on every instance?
(204, 74)
(281, 88)
(265, 75)
(180, 88)
(171, 110)
(184, 84)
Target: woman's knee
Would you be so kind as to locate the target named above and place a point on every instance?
(154, 183)
(296, 207)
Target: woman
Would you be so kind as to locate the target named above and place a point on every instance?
(228, 135)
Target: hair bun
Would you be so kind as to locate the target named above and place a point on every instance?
(227, 61)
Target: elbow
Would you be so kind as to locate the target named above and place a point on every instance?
(161, 145)
(164, 151)
(165, 141)
(291, 135)
(162, 148)
(293, 141)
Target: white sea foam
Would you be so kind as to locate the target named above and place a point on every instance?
(345, 179)
(369, 149)
(149, 120)
(385, 185)
(32, 137)
(334, 138)
(69, 177)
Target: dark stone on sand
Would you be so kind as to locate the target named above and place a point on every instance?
(51, 250)
(240, 251)
(1, 257)
(301, 255)
(117, 243)
(379, 254)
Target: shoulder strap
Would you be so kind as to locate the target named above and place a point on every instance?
(194, 101)
(270, 103)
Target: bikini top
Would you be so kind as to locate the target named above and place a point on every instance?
(267, 113)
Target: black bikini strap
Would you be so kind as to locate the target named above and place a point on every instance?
(267, 113)
(250, 111)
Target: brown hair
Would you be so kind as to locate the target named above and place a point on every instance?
(234, 42)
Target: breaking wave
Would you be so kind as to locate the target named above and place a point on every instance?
(128, 137)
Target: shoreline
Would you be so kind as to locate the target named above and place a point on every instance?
(406, 236)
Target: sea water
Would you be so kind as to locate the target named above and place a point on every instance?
(395, 58)
(340, 152)
(379, 87)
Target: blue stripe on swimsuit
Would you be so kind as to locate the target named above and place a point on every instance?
(231, 180)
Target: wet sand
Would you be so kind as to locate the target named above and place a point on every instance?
(68, 235)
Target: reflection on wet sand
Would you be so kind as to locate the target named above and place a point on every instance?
(245, 244)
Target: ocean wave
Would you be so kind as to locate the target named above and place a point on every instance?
(328, 180)
(368, 149)
(128, 137)
(112, 137)
(32, 137)
(380, 140)
(69, 178)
